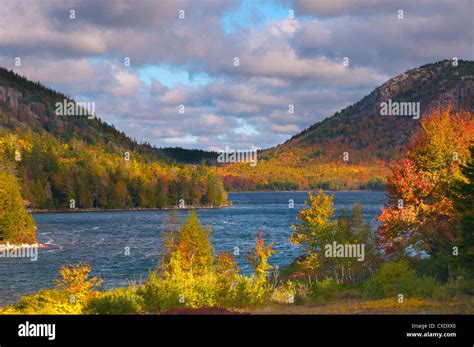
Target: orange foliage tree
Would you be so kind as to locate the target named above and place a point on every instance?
(420, 211)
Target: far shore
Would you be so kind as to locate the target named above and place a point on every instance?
(308, 190)
(80, 210)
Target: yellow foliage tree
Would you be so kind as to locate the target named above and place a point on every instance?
(75, 280)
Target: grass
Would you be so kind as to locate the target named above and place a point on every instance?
(463, 305)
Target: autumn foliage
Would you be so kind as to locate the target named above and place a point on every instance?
(192, 275)
(16, 225)
(259, 257)
(318, 228)
(420, 212)
(53, 172)
(75, 280)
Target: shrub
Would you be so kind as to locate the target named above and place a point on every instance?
(193, 277)
(75, 280)
(118, 301)
(158, 296)
(249, 293)
(325, 289)
(454, 289)
(9, 310)
(433, 267)
(284, 294)
(350, 294)
(420, 287)
(73, 290)
(48, 301)
(182, 290)
(397, 278)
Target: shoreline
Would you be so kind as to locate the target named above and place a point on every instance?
(130, 209)
(306, 191)
(138, 209)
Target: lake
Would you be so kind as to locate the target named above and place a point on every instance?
(102, 238)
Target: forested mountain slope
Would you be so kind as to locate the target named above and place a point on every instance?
(66, 161)
(352, 149)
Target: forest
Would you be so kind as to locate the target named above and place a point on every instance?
(54, 173)
(289, 174)
(64, 162)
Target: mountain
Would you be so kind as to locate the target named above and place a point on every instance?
(366, 134)
(79, 161)
(350, 150)
(370, 140)
(29, 104)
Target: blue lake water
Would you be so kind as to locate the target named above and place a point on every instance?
(102, 237)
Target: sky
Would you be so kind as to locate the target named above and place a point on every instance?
(245, 74)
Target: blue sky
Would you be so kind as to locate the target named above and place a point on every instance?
(171, 76)
(252, 13)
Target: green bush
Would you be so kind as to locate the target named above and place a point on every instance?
(433, 267)
(247, 292)
(161, 294)
(48, 301)
(420, 287)
(326, 289)
(118, 301)
(158, 295)
(454, 289)
(397, 278)
(182, 290)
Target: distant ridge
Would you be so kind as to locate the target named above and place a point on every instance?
(314, 157)
(368, 135)
(30, 104)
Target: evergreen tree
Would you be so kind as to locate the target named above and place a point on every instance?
(193, 251)
(16, 225)
(464, 200)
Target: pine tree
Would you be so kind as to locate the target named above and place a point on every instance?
(16, 225)
(193, 251)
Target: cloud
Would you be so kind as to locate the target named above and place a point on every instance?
(283, 61)
(331, 8)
